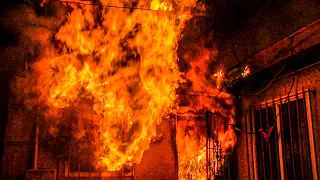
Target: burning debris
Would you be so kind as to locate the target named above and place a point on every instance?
(115, 76)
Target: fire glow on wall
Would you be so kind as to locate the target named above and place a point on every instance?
(116, 70)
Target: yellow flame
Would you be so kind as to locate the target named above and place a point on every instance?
(118, 70)
(246, 72)
(123, 65)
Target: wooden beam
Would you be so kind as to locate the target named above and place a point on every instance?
(300, 40)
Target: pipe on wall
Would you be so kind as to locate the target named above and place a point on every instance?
(36, 142)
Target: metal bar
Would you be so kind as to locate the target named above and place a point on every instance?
(36, 141)
(207, 159)
(223, 167)
(220, 161)
(209, 142)
(79, 169)
(310, 135)
(69, 160)
(229, 172)
(213, 142)
(269, 149)
(247, 146)
(299, 140)
(291, 140)
(132, 169)
(253, 145)
(174, 144)
(306, 131)
(212, 127)
(89, 166)
(262, 146)
(59, 170)
(282, 140)
(122, 173)
(276, 137)
(257, 149)
(89, 152)
(277, 100)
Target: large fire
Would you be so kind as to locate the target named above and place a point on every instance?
(116, 69)
(203, 95)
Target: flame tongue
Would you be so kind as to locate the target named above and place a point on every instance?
(123, 67)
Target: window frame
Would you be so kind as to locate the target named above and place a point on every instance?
(94, 174)
(304, 94)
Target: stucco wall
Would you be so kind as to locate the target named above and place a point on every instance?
(308, 78)
(272, 22)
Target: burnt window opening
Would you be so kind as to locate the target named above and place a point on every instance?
(199, 152)
(82, 167)
(81, 163)
(284, 143)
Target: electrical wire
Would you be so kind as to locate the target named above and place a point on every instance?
(233, 50)
(266, 87)
(28, 1)
(287, 99)
(274, 120)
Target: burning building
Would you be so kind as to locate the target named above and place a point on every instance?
(154, 89)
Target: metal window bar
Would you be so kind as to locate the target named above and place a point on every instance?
(299, 139)
(253, 145)
(247, 146)
(213, 148)
(219, 169)
(98, 174)
(199, 119)
(274, 117)
(262, 146)
(282, 137)
(291, 140)
(293, 114)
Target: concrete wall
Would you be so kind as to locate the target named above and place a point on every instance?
(272, 22)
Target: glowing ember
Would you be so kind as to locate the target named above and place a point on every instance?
(219, 77)
(246, 72)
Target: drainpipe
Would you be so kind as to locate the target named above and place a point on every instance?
(36, 142)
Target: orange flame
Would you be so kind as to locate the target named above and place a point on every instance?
(119, 70)
(204, 94)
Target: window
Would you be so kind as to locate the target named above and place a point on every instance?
(284, 144)
(80, 166)
(80, 162)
